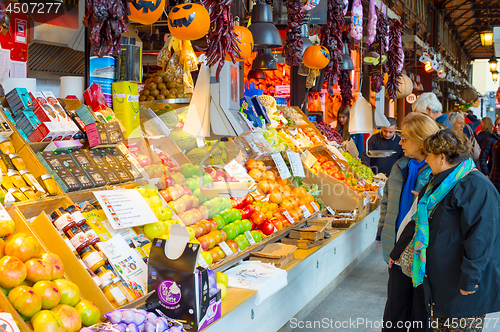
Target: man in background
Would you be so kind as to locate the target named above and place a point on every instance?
(385, 139)
(428, 104)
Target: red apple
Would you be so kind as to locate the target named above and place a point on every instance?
(143, 160)
(166, 195)
(267, 227)
(187, 191)
(233, 245)
(258, 218)
(170, 181)
(196, 202)
(204, 212)
(247, 212)
(211, 171)
(213, 223)
(197, 214)
(204, 242)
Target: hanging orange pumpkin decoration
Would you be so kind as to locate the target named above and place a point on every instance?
(188, 21)
(244, 41)
(316, 57)
(146, 12)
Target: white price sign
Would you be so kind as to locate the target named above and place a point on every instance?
(289, 217)
(296, 164)
(315, 206)
(281, 166)
(249, 237)
(330, 210)
(225, 248)
(307, 214)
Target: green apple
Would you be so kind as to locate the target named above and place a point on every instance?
(143, 191)
(187, 170)
(192, 184)
(152, 190)
(213, 207)
(230, 231)
(202, 198)
(155, 201)
(256, 236)
(222, 278)
(220, 222)
(162, 213)
(207, 179)
(191, 232)
(154, 230)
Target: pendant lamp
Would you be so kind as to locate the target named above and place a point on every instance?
(265, 34)
(264, 61)
(256, 74)
(347, 63)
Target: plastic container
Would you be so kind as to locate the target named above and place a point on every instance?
(7, 183)
(50, 184)
(6, 146)
(17, 161)
(113, 293)
(16, 179)
(91, 258)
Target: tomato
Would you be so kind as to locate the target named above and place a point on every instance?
(47, 321)
(37, 269)
(48, 292)
(70, 293)
(56, 263)
(69, 316)
(25, 300)
(89, 312)
(12, 272)
(22, 246)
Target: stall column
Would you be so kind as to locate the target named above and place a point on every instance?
(298, 90)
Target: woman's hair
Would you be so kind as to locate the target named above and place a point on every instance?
(454, 116)
(346, 110)
(419, 126)
(487, 125)
(454, 145)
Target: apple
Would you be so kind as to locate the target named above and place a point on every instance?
(204, 212)
(213, 223)
(256, 236)
(143, 191)
(192, 184)
(213, 207)
(207, 178)
(143, 160)
(179, 178)
(267, 227)
(154, 230)
(233, 245)
(196, 201)
(197, 214)
(201, 198)
(166, 195)
(192, 233)
(204, 242)
(210, 171)
(206, 226)
(170, 181)
(155, 201)
(247, 212)
(163, 213)
(242, 242)
(207, 257)
(222, 278)
(186, 191)
(187, 170)
(215, 255)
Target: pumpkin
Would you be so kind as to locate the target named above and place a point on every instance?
(316, 57)
(146, 11)
(188, 21)
(244, 41)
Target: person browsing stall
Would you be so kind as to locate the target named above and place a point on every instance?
(428, 104)
(385, 139)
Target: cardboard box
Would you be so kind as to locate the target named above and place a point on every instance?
(278, 254)
(86, 114)
(95, 174)
(44, 111)
(19, 99)
(52, 100)
(96, 134)
(110, 175)
(50, 160)
(311, 233)
(27, 120)
(182, 291)
(66, 180)
(63, 145)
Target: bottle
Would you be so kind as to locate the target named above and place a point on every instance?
(94, 277)
(91, 258)
(6, 146)
(104, 273)
(77, 238)
(16, 179)
(19, 196)
(62, 220)
(28, 192)
(49, 184)
(125, 290)
(17, 161)
(113, 293)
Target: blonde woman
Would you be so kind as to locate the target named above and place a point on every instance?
(486, 130)
(408, 175)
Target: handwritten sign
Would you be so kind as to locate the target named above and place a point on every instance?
(296, 164)
(281, 166)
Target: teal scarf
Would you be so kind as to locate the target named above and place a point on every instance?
(425, 206)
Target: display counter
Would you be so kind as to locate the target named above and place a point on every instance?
(311, 277)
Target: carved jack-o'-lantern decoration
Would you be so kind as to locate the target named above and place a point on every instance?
(245, 43)
(146, 11)
(316, 57)
(189, 21)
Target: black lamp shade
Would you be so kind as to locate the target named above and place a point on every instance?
(347, 63)
(256, 74)
(264, 62)
(265, 34)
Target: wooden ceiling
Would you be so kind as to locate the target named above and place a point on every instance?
(467, 18)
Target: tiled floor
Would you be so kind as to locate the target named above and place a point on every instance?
(357, 303)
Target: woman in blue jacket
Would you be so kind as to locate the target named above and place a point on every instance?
(408, 176)
(343, 129)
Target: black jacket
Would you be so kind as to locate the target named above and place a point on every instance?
(486, 156)
(464, 237)
(383, 165)
(495, 168)
(481, 137)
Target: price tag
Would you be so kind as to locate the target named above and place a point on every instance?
(8, 322)
(306, 211)
(308, 158)
(281, 166)
(296, 164)
(202, 261)
(288, 216)
(330, 210)
(249, 237)
(223, 245)
(200, 142)
(315, 206)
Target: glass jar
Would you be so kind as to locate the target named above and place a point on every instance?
(3, 166)
(104, 273)
(6, 146)
(77, 238)
(17, 161)
(114, 294)
(94, 277)
(62, 220)
(92, 236)
(68, 243)
(28, 192)
(16, 179)
(17, 194)
(49, 184)
(125, 290)
(77, 215)
(91, 258)
(6, 182)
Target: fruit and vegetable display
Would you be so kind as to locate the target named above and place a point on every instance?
(162, 85)
(330, 133)
(361, 170)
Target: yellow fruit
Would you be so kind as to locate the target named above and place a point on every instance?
(223, 289)
(222, 278)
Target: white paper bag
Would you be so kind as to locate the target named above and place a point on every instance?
(361, 116)
(197, 122)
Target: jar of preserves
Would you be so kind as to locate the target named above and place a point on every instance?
(114, 294)
(92, 236)
(6, 146)
(104, 273)
(27, 177)
(77, 238)
(16, 179)
(17, 161)
(3, 166)
(77, 215)
(94, 277)
(125, 290)
(6, 182)
(91, 258)
(17, 194)
(62, 220)
(28, 192)
(49, 184)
